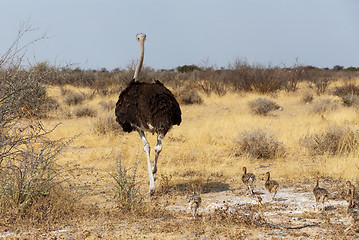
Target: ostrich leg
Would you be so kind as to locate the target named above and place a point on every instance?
(158, 149)
(146, 149)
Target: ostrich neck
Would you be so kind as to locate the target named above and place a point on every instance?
(140, 61)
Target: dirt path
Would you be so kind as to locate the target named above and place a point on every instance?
(293, 215)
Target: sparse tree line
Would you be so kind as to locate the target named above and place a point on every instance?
(238, 76)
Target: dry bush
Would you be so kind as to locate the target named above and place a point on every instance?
(24, 93)
(321, 80)
(85, 111)
(307, 97)
(74, 98)
(259, 144)
(31, 181)
(350, 100)
(30, 171)
(188, 96)
(345, 90)
(128, 194)
(323, 105)
(349, 94)
(262, 106)
(106, 125)
(335, 140)
(108, 106)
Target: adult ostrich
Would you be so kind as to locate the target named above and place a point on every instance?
(147, 107)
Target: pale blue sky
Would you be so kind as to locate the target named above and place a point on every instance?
(102, 33)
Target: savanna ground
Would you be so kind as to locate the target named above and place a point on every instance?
(67, 171)
(203, 152)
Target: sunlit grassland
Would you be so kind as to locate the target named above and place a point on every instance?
(205, 144)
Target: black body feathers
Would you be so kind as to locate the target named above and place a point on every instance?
(147, 106)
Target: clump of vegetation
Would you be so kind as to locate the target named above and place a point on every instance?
(262, 106)
(188, 96)
(85, 111)
(107, 124)
(259, 144)
(74, 98)
(350, 100)
(349, 94)
(128, 194)
(31, 172)
(333, 141)
(188, 68)
(324, 105)
(307, 97)
(31, 180)
(108, 106)
(347, 89)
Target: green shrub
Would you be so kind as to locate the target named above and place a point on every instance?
(187, 68)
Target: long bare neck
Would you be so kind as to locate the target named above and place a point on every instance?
(140, 61)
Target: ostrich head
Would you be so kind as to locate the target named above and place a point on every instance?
(141, 37)
(268, 175)
(244, 170)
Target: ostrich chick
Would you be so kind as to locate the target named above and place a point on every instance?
(194, 202)
(248, 179)
(272, 186)
(353, 208)
(320, 194)
(349, 192)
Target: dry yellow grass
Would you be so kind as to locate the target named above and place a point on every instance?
(205, 143)
(203, 149)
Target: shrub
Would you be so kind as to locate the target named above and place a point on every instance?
(259, 144)
(25, 94)
(128, 195)
(345, 90)
(74, 98)
(85, 111)
(188, 96)
(335, 140)
(30, 175)
(262, 106)
(108, 106)
(350, 100)
(187, 68)
(105, 125)
(307, 97)
(324, 105)
(30, 178)
(349, 94)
